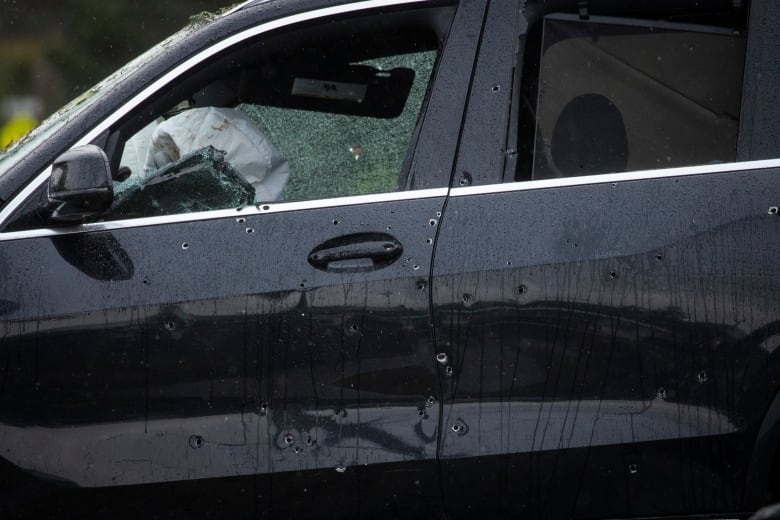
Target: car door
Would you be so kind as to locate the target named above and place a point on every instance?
(604, 283)
(248, 358)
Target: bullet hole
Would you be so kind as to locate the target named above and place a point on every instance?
(415, 267)
(146, 281)
(522, 289)
(298, 450)
(341, 468)
(448, 370)
(169, 325)
(613, 274)
(388, 247)
(701, 377)
(336, 222)
(496, 88)
(421, 412)
(438, 213)
(633, 469)
(240, 220)
(661, 393)
(421, 285)
(508, 262)
(342, 413)
(389, 228)
(265, 207)
(465, 180)
(196, 442)
(430, 401)
(289, 439)
(353, 328)
(433, 222)
(309, 441)
(249, 230)
(659, 257)
(303, 284)
(263, 408)
(459, 427)
(773, 210)
(185, 245)
(466, 298)
(441, 357)
(429, 241)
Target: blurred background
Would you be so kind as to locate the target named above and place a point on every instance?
(53, 50)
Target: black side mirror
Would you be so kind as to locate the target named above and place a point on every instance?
(80, 185)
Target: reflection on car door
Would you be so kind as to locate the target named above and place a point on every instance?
(609, 339)
(290, 341)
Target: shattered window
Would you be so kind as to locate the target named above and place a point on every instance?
(336, 155)
(332, 126)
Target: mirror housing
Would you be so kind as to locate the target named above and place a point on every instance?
(80, 185)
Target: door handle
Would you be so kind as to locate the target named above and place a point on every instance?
(356, 253)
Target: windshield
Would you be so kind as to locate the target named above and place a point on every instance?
(20, 149)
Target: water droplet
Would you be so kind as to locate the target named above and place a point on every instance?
(441, 357)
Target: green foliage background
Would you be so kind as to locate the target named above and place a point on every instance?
(56, 49)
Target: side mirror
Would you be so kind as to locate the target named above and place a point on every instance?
(80, 185)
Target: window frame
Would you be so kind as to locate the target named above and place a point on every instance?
(149, 96)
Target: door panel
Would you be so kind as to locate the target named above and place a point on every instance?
(611, 345)
(212, 349)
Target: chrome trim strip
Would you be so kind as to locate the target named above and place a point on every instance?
(248, 211)
(238, 7)
(684, 171)
(192, 62)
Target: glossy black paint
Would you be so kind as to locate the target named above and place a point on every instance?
(596, 351)
(631, 349)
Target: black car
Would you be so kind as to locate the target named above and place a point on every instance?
(403, 259)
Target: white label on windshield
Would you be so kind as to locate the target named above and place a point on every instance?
(329, 89)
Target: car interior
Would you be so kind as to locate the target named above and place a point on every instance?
(610, 87)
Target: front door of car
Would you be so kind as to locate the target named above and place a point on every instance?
(609, 340)
(285, 343)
